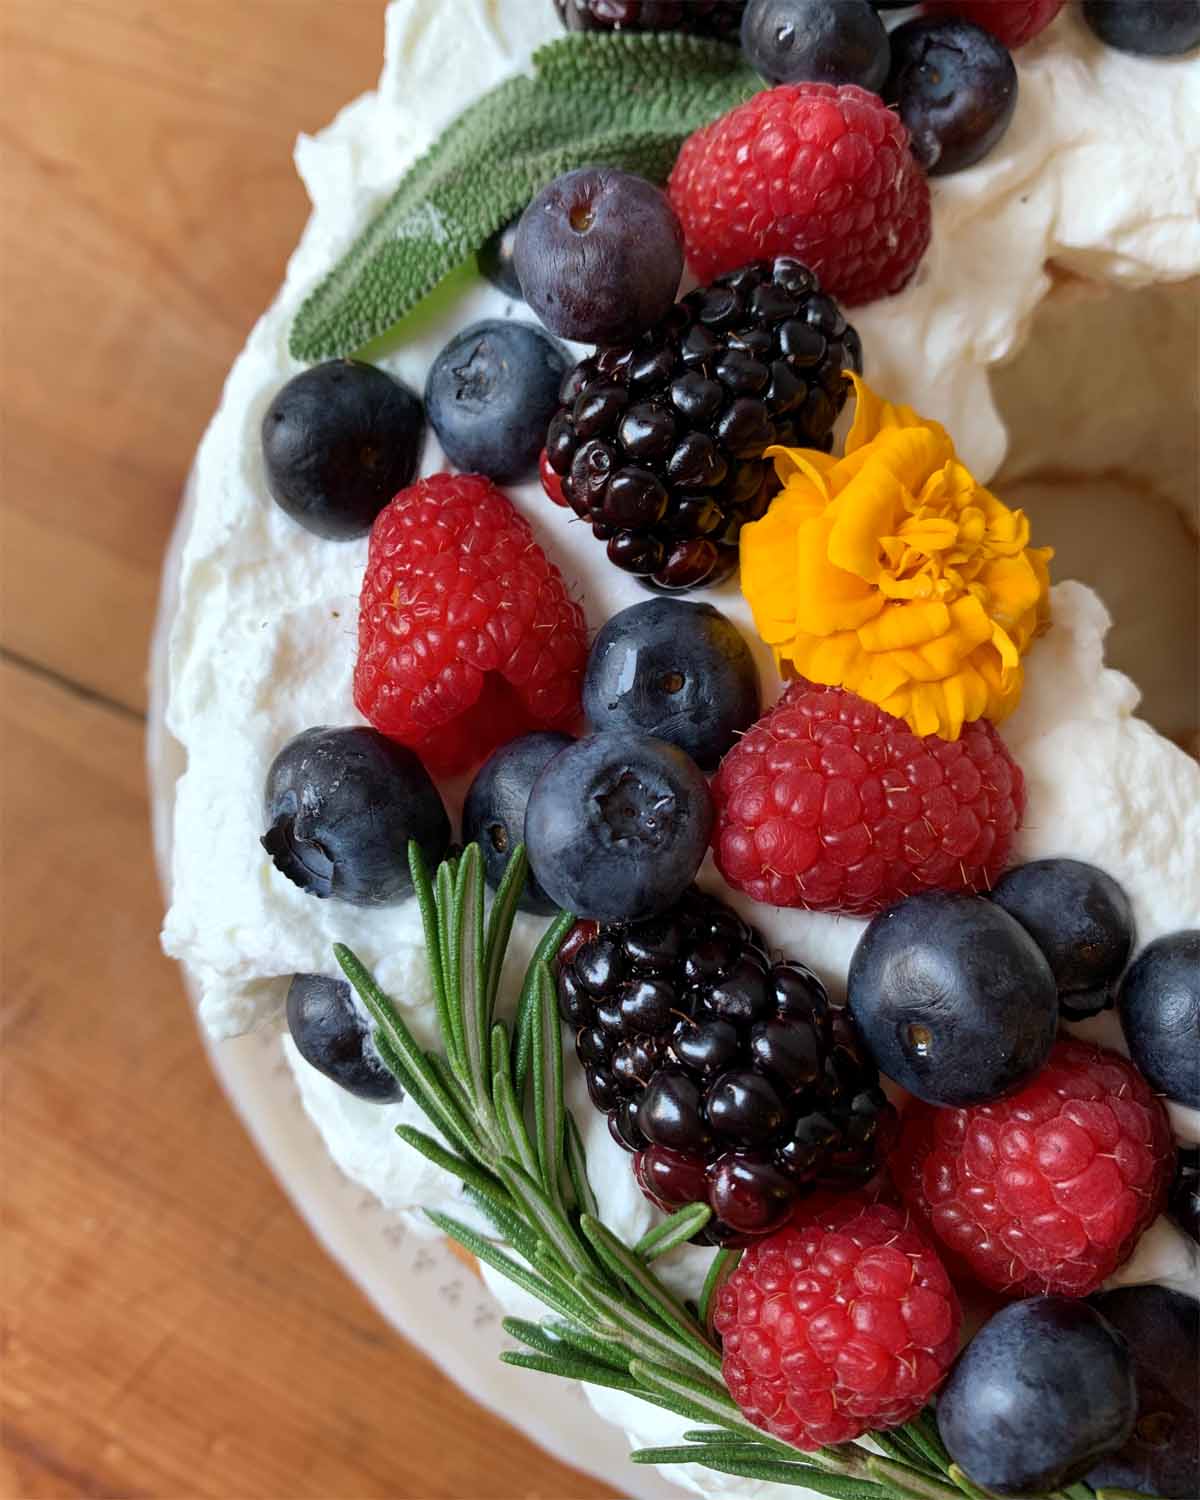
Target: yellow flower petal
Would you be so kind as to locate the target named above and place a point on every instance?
(893, 573)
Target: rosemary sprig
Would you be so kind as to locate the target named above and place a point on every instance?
(495, 1097)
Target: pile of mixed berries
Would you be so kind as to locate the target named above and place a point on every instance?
(936, 1132)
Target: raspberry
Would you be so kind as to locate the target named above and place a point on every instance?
(841, 1323)
(809, 170)
(1049, 1190)
(466, 636)
(1013, 22)
(831, 804)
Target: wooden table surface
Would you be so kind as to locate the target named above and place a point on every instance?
(170, 1327)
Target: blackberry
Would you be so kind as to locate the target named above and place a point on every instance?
(715, 18)
(732, 1080)
(660, 444)
(1183, 1203)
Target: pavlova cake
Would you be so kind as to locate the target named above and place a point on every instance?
(639, 762)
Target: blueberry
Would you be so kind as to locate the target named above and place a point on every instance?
(1043, 1390)
(599, 255)
(494, 812)
(798, 41)
(955, 88)
(496, 261)
(1162, 1329)
(332, 1036)
(1159, 1005)
(1154, 28)
(338, 442)
(678, 671)
(1079, 917)
(491, 393)
(341, 807)
(617, 826)
(953, 998)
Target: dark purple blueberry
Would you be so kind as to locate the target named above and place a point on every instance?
(1043, 1391)
(954, 86)
(490, 395)
(617, 826)
(1159, 1007)
(1151, 28)
(338, 441)
(1162, 1454)
(341, 807)
(494, 811)
(749, 1194)
(669, 1113)
(953, 997)
(1078, 916)
(679, 671)
(599, 255)
(706, 1047)
(495, 261)
(742, 995)
(814, 41)
(743, 1107)
(332, 1036)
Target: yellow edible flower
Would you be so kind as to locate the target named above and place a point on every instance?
(894, 573)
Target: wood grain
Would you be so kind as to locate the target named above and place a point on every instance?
(170, 1329)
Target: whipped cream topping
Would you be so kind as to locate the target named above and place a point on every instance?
(1093, 176)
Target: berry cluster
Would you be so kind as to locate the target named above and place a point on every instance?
(733, 1078)
(659, 444)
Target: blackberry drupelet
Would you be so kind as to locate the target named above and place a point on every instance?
(660, 445)
(732, 1079)
(716, 18)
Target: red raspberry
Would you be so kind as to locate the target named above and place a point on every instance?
(840, 1323)
(466, 636)
(1014, 22)
(831, 804)
(1049, 1190)
(810, 170)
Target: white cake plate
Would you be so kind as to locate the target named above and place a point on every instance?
(415, 1282)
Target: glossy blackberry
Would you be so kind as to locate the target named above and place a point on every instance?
(660, 444)
(733, 1079)
(716, 18)
(1184, 1202)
